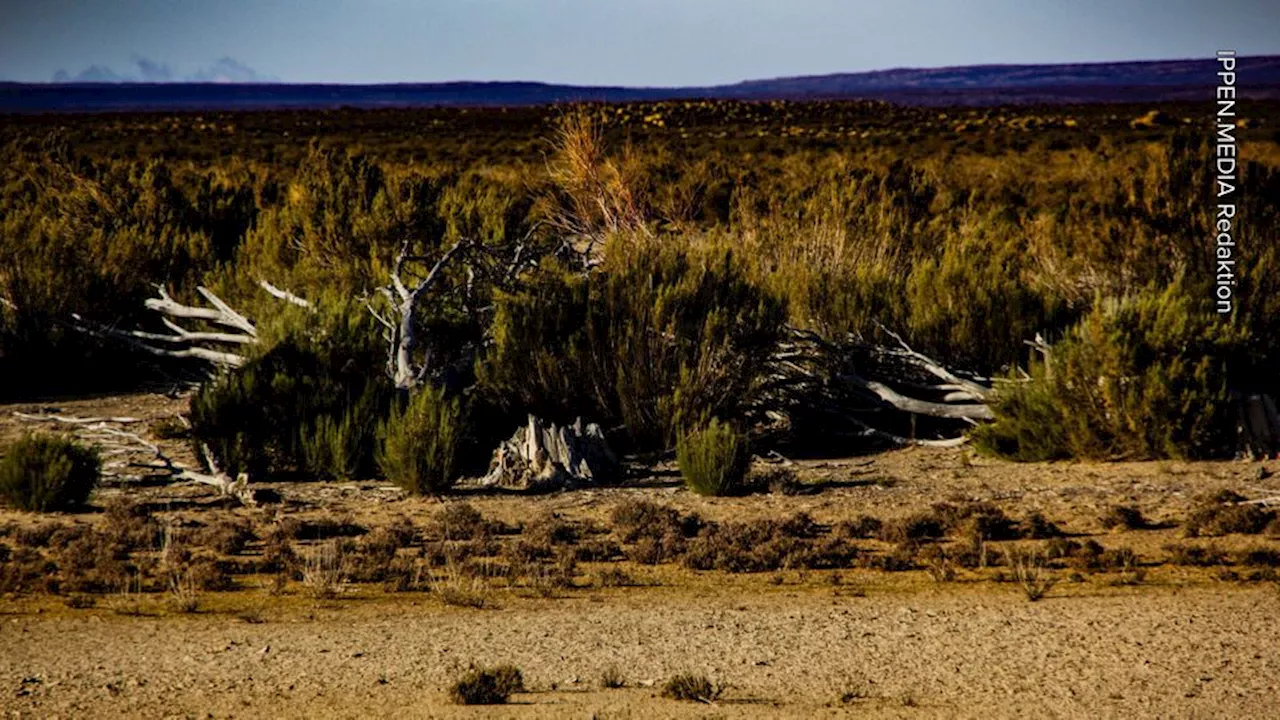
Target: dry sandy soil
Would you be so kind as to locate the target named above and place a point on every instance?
(792, 644)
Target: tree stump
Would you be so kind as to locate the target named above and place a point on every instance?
(545, 456)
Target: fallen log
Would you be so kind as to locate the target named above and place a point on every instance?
(115, 441)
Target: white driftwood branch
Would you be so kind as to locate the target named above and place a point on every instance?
(1275, 500)
(922, 407)
(184, 335)
(232, 318)
(285, 295)
(70, 420)
(868, 431)
(185, 343)
(404, 301)
(99, 432)
(166, 305)
(136, 338)
(976, 390)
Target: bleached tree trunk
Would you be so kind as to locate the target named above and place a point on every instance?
(542, 455)
(406, 372)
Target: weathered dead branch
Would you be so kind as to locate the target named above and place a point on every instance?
(122, 450)
(405, 371)
(185, 343)
(810, 374)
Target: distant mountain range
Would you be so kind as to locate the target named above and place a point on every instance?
(1154, 81)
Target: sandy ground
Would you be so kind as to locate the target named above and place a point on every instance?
(1178, 645)
(1166, 653)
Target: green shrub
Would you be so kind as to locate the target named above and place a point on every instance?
(46, 472)
(714, 459)
(334, 448)
(656, 339)
(487, 686)
(309, 401)
(419, 448)
(1142, 377)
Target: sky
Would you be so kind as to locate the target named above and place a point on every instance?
(602, 42)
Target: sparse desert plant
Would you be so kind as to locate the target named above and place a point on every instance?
(461, 521)
(184, 592)
(913, 528)
(613, 577)
(1226, 513)
(636, 518)
(44, 473)
(713, 460)
(938, 564)
(1260, 556)
(487, 686)
(853, 691)
(863, 526)
(419, 448)
(1195, 555)
(1038, 527)
(1124, 517)
(80, 601)
(229, 537)
(1126, 561)
(1031, 571)
(459, 588)
(324, 571)
(612, 678)
(692, 687)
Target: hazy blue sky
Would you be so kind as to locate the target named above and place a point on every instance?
(635, 42)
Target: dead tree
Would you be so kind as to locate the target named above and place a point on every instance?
(406, 371)
(851, 381)
(452, 278)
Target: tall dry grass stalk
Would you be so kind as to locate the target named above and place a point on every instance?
(324, 571)
(597, 196)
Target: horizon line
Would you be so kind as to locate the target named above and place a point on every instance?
(551, 83)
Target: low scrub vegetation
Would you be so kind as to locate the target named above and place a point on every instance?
(420, 442)
(692, 687)
(713, 460)
(652, 288)
(487, 686)
(47, 472)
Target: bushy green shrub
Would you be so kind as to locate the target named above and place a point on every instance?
(89, 237)
(713, 460)
(47, 472)
(420, 442)
(1145, 376)
(656, 339)
(310, 401)
(335, 447)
